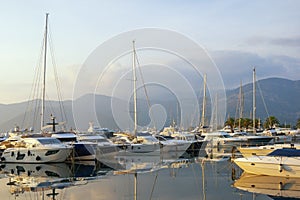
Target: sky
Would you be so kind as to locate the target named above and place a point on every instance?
(237, 35)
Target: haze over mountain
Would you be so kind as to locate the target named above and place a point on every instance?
(275, 96)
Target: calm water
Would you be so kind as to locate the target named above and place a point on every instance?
(129, 178)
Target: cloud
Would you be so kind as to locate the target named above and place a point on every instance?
(288, 41)
(292, 42)
(236, 66)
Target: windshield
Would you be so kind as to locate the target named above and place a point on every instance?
(49, 141)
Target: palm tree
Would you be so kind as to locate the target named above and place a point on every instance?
(298, 123)
(271, 121)
(230, 122)
(246, 122)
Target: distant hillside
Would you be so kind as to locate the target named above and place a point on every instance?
(281, 97)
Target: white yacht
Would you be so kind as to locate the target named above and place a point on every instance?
(169, 144)
(34, 150)
(197, 144)
(281, 162)
(143, 142)
(223, 139)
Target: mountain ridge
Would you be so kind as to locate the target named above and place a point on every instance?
(275, 96)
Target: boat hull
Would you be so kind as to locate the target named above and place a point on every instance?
(138, 149)
(84, 151)
(271, 165)
(31, 155)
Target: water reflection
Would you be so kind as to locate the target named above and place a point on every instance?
(272, 186)
(124, 177)
(45, 179)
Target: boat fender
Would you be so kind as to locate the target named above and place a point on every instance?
(12, 154)
(28, 153)
(2, 159)
(280, 168)
(38, 158)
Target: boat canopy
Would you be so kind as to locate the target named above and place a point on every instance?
(289, 152)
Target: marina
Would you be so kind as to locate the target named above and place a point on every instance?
(150, 100)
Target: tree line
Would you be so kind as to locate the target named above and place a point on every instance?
(269, 122)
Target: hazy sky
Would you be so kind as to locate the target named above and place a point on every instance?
(237, 34)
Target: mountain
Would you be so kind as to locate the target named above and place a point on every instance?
(276, 96)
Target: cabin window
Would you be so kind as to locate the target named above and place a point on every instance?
(51, 152)
(20, 156)
(49, 141)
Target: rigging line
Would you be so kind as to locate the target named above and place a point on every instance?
(194, 115)
(193, 118)
(236, 112)
(36, 102)
(38, 85)
(263, 99)
(145, 90)
(32, 93)
(50, 109)
(57, 81)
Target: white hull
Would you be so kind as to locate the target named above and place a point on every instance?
(176, 147)
(141, 149)
(282, 139)
(226, 142)
(269, 165)
(32, 155)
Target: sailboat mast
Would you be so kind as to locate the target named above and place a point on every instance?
(240, 106)
(254, 101)
(204, 102)
(134, 88)
(44, 74)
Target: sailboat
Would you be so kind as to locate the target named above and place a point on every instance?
(253, 139)
(138, 142)
(81, 150)
(34, 148)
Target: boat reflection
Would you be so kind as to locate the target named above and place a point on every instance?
(122, 177)
(45, 179)
(272, 186)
